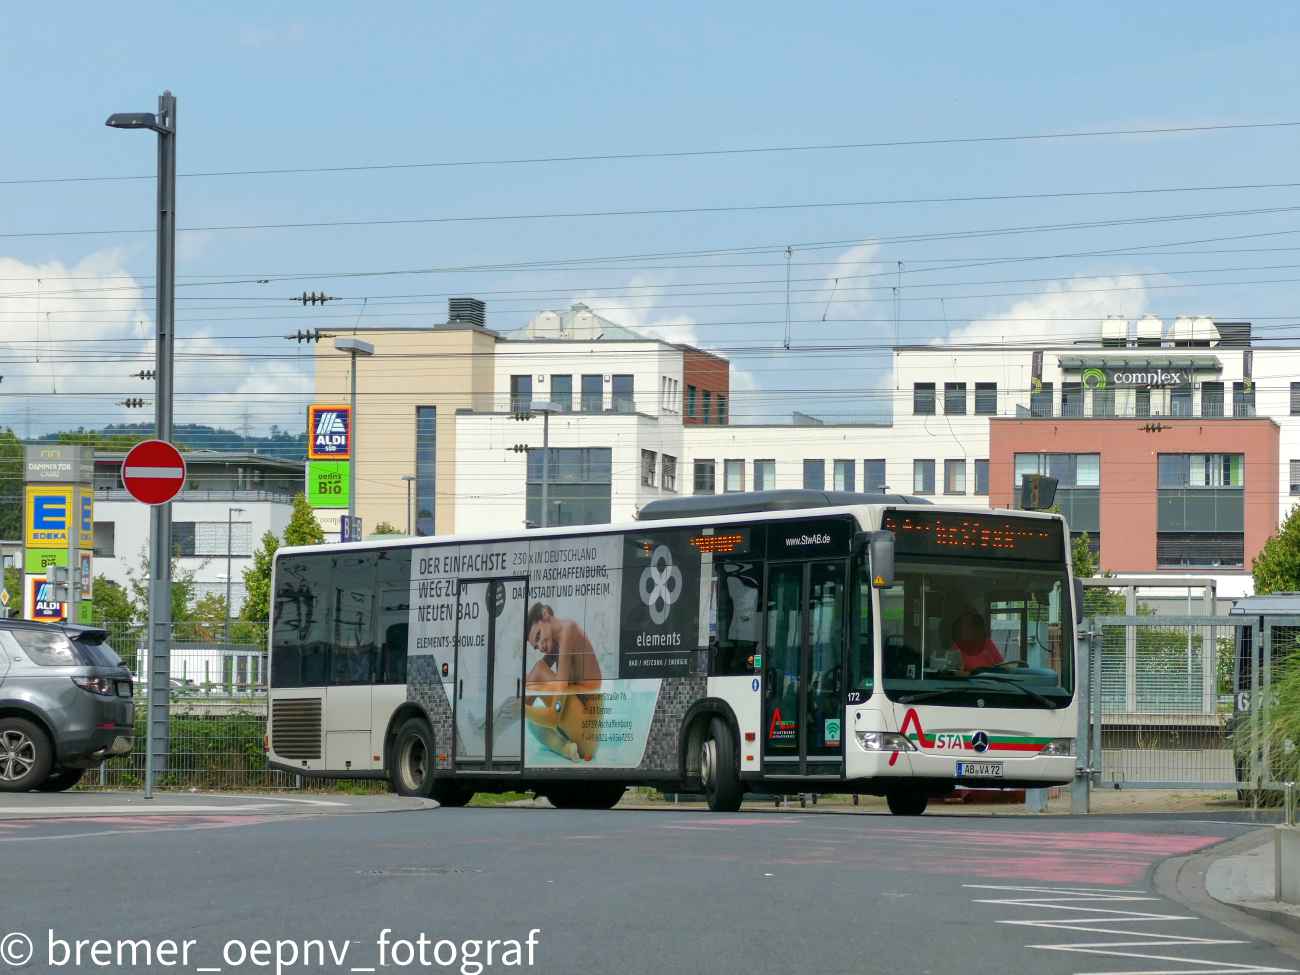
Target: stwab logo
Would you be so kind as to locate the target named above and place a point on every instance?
(661, 584)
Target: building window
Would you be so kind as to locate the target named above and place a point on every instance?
(704, 477)
(105, 532)
(562, 392)
(624, 400)
(923, 477)
(1142, 403)
(1071, 399)
(764, 475)
(923, 399)
(844, 475)
(1180, 400)
(1103, 402)
(873, 475)
(690, 402)
(722, 409)
(1200, 550)
(648, 468)
(521, 394)
(814, 475)
(1295, 489)
(578, 486)
(593, 394)
(1295, 399)
(1040, 400)
(668, 473)
(668, 388)
(706, 406)
(1243, 399)
(982, 477)
(986, 399)
(182, 538)
(1211, 399)
(954, 398)
(733, 476)
(954, 477)
(426, 468)
(1200, 514)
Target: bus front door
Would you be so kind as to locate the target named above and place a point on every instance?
(489, 673)
(803, 666)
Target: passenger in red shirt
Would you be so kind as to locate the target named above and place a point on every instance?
(971, 638)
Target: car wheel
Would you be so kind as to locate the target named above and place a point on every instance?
(25, 755)
(412, 772)
(588, 795)
(720, 768)
(905, 805)
(62, 780)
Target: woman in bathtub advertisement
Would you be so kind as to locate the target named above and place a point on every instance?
(577, 710)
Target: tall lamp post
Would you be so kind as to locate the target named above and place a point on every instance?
(545, 408)
(160, 516)
(354, 348)
(409, 479)
(230, 551)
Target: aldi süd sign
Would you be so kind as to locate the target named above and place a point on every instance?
(45, 608)
(329, 432)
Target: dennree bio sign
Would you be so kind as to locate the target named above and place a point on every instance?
(329, 433)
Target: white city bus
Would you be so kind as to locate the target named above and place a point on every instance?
(775, 642)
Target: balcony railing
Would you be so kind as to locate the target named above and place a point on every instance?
(573, 403)
(1138, 411)
(120, 494)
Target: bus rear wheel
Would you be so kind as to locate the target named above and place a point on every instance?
(907, 805)
(720, 768)
(412, 772)
(450, 794)
(588, 795)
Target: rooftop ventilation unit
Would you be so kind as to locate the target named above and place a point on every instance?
(1150, 330)
(466, 311)
(1114, 332)
(1233, 335)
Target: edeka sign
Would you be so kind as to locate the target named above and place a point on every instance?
(48, 512)
(327, 483)
(329, 433)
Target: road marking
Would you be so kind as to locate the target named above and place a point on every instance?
(146, 810)
(1089, 901)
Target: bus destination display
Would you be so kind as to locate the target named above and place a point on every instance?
(986, 536)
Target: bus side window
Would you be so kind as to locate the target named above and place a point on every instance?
(394, 671)
(861, 651)
(393, 581)
(299, 629)
(739, 620)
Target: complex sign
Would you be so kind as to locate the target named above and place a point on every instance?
(1142, 376)
(329, 433)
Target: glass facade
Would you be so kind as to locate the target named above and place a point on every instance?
(426, 468)
(814, 475)
(764, 475)
(578, 486)
(562, 392)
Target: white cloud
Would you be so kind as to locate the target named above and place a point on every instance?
(1068, 310)
(843, 299)
(70, 338)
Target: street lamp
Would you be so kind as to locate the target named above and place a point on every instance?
(230, 546)
(160, 516)
(546, 408)
(354, 348)
(408, 478)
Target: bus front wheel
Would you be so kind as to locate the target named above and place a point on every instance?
(907, 805)
(412, 773)
(720, 768)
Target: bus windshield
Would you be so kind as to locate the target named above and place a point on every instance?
(967, 635)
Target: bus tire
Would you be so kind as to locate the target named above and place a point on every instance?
(450, 794)
(720, 768)
(587, 795)
(907, 805)
(413, 751)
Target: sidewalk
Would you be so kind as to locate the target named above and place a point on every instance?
(41, 805)
(1246, 882)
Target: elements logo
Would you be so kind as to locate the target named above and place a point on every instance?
(660, 586)
(330, 431)
(1094, 379)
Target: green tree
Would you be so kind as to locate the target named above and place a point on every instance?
(385, 528)
(257, 581)
(183, 589)
(303, 528)
(1277, 567)
(1085, 563)
(111, 603)
(14, 586)
(11, 485)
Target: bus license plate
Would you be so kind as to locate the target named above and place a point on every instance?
(981, 770)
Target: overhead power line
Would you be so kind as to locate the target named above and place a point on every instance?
(682, 154)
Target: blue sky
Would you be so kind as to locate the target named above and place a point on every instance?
(310, 85)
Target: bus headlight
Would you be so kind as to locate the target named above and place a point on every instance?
(883, 741)
(1058, 747)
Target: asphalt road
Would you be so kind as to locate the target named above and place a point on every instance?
(635, 891)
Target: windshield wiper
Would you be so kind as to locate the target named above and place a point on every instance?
(1007, 680)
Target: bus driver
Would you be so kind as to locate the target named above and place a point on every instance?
(567, 719)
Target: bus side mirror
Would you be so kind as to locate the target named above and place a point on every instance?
(1037, 492)
(1078, 598)
(882, 559)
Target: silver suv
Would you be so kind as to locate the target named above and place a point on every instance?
(65, 704)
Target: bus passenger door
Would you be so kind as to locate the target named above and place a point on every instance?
(471, 697)
(490, 671)
(803, 667)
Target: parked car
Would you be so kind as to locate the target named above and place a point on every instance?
(65, 704)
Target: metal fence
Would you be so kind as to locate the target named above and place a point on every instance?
(218, 711)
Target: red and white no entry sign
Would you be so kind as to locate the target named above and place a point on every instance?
(153, 472)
